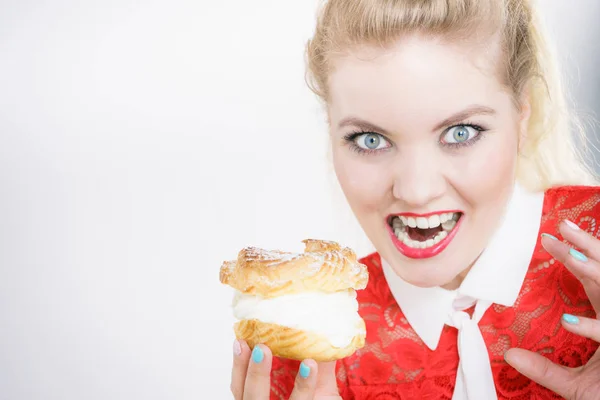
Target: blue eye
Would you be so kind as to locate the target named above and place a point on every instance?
(371, 141)
(460, 134)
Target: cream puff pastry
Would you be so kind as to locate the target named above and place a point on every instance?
(299, 305)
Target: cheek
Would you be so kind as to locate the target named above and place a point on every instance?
(364, 184)
(490, 172)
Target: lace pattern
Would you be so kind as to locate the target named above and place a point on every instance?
(396, 364)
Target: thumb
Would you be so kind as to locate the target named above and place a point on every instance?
(326, 380)
(539, 369)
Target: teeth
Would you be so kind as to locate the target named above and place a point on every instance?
(440, 236)
(446, 220)
(434, 221)
(422, 223)
(421, 245)
(449, 216)
(449, 225)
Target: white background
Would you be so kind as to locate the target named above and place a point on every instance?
(142, 143)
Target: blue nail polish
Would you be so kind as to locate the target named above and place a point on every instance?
(570, 319)
(304, 370)
(577, 255)
(257, 355)
(549, 236)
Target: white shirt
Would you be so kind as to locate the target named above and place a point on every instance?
(496, 277)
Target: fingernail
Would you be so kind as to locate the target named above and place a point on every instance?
(571, 225)
(304, 370)
(237, 348)
(577, 255)
(549, 236)
(257, 355)
(570, 319)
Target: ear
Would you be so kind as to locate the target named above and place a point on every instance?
(524, 116)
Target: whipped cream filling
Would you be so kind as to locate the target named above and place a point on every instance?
(333, 315)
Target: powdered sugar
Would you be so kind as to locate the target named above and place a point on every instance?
(319, 256)
(275, 256)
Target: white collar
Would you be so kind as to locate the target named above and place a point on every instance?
(496, 276)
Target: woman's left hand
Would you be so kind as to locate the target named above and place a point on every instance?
(581, 383)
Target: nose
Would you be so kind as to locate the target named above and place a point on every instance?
(419, 178)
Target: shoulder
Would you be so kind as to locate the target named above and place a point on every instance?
(373, 264)
(573, 191)
(571, 202)
(377, 298)
(569, 196)
(372, 260)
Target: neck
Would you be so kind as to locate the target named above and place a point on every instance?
(458, 279)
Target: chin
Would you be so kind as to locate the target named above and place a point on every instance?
(422, 273)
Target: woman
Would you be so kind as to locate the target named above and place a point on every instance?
(450, 141)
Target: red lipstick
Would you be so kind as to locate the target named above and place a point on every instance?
(429, 252)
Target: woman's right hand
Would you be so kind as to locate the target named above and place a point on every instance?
(251, 376)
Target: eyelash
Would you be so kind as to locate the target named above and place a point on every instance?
(468, 143)
(350, 138)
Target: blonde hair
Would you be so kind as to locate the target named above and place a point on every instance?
(549, 157)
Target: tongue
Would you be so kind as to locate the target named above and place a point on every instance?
(423, 234)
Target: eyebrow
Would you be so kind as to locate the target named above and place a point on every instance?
(361, 124)
(452, 120)
(464, 114)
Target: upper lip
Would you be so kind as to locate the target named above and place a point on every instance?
(410, 214)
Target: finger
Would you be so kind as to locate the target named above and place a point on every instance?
(306, 381)
(580, 239)
(241, 356)
(555, 247)
(582, 266)
(585, 264)
(586, 327)
(258, 377)
(587, 270)
(539, 369)
(326, 381)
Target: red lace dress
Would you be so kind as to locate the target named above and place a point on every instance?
(396, 364)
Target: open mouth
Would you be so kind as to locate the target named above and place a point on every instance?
(432, 232)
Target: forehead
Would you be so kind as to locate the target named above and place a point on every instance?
(418, 76)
